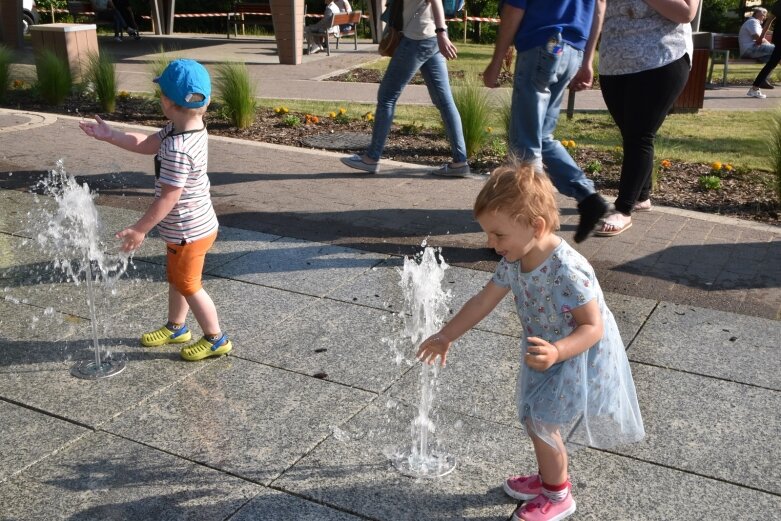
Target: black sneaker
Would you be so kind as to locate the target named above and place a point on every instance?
(591, 210)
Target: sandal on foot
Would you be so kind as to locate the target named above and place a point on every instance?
(356, 161)
(643, 206)
(164, 336)
(204, 349)
(614, 224)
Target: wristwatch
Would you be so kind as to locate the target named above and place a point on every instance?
(440, 30)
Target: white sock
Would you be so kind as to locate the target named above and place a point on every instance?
(555, 495)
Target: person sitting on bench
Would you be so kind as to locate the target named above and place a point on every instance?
(317, 32)
(752, 45)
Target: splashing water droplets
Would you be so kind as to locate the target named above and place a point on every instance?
(425, 306)
(70, 235)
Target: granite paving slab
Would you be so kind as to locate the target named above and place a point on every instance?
(708, 426)
(295, 265)
(112, 297)
(241, 417)
(715, 343)
(352, 345)
(248, 311)
(104, 477)
(14, 211)
(350, 470)
(31, 335)
(91, 402)
(272, 504)
(30, 436)
(608, 486)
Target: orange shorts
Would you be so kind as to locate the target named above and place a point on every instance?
(184, 264)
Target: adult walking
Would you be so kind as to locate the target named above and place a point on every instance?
(549, 38)
(424, 46)
(644, 61)
(761, 81)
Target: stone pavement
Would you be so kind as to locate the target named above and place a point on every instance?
(297, 423)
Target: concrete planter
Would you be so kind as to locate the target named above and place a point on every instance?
(288, 17)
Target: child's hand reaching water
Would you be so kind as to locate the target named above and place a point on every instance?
(541, 354)
(434, 346)
(98, 129)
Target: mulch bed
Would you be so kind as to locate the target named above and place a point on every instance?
(747, 194)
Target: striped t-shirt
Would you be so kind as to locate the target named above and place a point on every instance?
(181, 162)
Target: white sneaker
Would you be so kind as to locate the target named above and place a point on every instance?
(117, 38)
(755, 93)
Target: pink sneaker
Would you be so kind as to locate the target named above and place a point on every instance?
(543, 509)
(523, 487)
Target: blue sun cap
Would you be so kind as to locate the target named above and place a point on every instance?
(186, 83)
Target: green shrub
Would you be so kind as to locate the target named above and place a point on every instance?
(410, 129)
(474, 107)
(6, 57)
(102, 75)
(291, 120)
(594, 166)
(237, 93)
(54, 78)
(775, 150)
(710, 182)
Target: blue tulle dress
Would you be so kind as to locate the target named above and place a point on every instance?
(590, 398)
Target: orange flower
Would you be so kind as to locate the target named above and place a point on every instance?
(716, 165)
(666, 163)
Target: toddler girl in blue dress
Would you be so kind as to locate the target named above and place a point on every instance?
(574, 385)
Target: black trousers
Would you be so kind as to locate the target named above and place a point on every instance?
(775, 57)
(123, 6)
(639, 103)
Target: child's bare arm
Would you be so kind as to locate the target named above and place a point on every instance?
(132, 141)
(133, 236)
(542, 354)
(475, 310)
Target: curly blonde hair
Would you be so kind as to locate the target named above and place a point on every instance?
(521, 191)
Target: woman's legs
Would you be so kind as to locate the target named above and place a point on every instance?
(434, 73)
(639, 103)
(406, 61)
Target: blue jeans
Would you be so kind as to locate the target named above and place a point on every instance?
(540, 80)
(410, 56)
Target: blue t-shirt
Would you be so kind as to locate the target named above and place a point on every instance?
(544, 19)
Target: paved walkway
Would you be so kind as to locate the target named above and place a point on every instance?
(299, 422)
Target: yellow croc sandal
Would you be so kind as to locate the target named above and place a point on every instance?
(164, 336)
(204, 349)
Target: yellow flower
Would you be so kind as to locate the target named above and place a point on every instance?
(284, 109)
(728, 167)
(342, 110)
(716, 165)
(277, 109)
(332, 114)
(571, 144)
(564, 143)
(489, 129)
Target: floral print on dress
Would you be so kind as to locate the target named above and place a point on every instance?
(589, 398)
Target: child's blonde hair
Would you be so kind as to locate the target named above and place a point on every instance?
(520, 191)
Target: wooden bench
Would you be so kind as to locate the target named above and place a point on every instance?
(240, 11)
(721, 46)
(352, 18)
